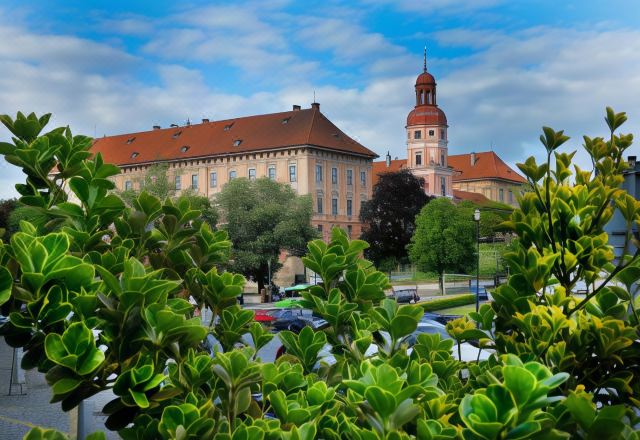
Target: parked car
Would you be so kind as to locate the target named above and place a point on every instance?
(406, 295)
(296, 319)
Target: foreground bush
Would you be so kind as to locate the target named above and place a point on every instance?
(95, 295)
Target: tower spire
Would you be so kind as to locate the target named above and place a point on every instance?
(425, 59)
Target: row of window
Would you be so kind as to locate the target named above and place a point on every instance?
(213, 177)
(419, 159)
(334, 206)
(417, 134)
(334, 176)
(501, 195)
(271, 173)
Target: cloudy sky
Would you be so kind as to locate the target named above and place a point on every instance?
(504, 68)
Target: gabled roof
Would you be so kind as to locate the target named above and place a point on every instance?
(487, 166)
(230, 136)
(381, 168)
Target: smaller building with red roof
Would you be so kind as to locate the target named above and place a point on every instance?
(485, 173)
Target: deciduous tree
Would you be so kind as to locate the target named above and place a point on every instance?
(444, 240)
(264, 217)
(389, 217)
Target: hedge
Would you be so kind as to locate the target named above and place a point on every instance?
(447, 302)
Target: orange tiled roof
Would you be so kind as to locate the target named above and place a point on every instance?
(487, 166)
(255, 133)
(476, 198)
(381, 168)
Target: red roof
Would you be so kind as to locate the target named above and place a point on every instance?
(477, 198)
(487, 166)
(425, 78)
(381, 168)
(426, 115)
(240, 135)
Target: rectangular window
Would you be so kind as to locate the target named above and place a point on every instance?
(349, 230)
(418, 159)
(232, 174)
(318, 173)
(178, 182)
(194, 181)
(319, 228)
(443, 185)
(363, 178)
(128, 185)
(320, 205)
(213, 180)
(349, 177)
(252, 174)
(417, 134)
(510, 196)
(334, 175)
(501, 195)
(442, 160)
(292, 173)
(362, 202)
(349, 208)
(432, 133)
(442, 133)
(272, 172)
(334, 206)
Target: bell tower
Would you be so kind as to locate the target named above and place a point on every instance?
(427, 138)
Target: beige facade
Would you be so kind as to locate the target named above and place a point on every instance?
(338, 182)
(494, 189)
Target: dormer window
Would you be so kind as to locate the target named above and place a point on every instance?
(286, 120)
(177, 134)
(228, 127)
(130, 140)
(134, 154)
(184, 148)
(237, 142)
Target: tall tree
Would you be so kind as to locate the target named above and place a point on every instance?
(389, 217)
(444, 240)
(155, 181)
(262, 218)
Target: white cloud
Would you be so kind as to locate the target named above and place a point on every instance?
(501, 94)
(541, 76)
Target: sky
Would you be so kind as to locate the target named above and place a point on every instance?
(504, 68)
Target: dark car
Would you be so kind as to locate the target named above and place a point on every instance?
(406, 295)
(296, 319)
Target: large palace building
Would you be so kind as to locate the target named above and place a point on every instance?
(300, 147)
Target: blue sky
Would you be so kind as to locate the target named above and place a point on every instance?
(504, 68)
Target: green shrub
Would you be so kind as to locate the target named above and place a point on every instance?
(96, 297)
(447, 302)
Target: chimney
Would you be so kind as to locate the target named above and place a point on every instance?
(473, 159)
(205, 120)
(156, 127)
(315, 105)
(388, 160)
(296, 107)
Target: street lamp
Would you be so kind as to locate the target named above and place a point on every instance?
(476, 218)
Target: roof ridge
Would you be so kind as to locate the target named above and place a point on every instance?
(213, 121)
(313, 121)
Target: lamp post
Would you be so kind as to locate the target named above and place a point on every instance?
(476, 218)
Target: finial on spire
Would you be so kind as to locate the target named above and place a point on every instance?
(425, 59)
